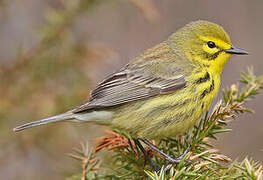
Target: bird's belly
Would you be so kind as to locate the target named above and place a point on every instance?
(180, 121)
(163, 116)
(145, 120)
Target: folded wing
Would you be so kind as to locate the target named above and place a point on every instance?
(148, 75)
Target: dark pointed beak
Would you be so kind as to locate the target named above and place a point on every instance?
(234, 50)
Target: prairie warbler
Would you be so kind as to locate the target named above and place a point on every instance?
(163, 91)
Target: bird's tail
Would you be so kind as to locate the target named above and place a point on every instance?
(60, 117)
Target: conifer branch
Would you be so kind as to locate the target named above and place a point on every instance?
(206, 161)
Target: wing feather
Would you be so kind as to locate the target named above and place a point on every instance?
(136, 81)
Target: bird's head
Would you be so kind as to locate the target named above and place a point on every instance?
(204, 43)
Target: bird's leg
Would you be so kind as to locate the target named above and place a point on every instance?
(155, 167)
(130, 143)
(167, 157)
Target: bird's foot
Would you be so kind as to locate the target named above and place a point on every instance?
(154, 166)
(170, 159)
(179, 158)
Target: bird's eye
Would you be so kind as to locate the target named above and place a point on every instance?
(211, 44)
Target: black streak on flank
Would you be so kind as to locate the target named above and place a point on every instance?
(203, 79)
(205, 92)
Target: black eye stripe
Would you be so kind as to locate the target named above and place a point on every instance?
(213, 56)
(211, 44)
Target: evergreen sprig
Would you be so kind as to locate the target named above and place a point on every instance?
(206, 162)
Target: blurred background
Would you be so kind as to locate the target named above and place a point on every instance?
(53, 52)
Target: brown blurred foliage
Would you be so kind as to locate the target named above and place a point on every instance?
(48, 78)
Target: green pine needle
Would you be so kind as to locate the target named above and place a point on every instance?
(206, 162)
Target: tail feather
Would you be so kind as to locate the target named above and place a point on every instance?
(60, 117)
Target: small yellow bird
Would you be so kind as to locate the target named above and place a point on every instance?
(163, 91)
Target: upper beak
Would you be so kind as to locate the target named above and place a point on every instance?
(234, 50)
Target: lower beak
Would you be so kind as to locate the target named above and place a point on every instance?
(234, 50)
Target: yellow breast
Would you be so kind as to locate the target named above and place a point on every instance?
(194, 101)
(172, 114)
